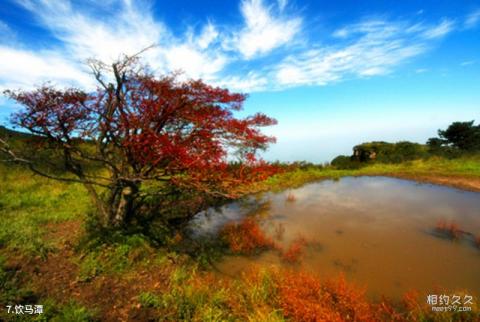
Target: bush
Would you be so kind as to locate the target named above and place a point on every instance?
(389, 152)
(345, 162)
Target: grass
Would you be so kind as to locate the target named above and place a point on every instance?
(72, 312)
(10, 281)
(117, 257)
(29, 203)
(13, 293)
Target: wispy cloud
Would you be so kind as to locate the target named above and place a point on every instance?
(472, 19)
(4, 27)
(421, 70)
(249, 83)
(440, 30)
(282, 4)
(371, 47)
(467, 63)
(8, 35)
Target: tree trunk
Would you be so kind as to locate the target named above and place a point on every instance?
(123, 208)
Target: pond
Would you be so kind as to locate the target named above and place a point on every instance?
(380, 232)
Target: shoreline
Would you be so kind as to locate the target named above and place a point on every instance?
(471, 184)
(298, 178)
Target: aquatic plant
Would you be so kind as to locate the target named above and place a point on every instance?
(245, 237)
(279, 231)
(451, 230)
(295, 251)
(291, 197)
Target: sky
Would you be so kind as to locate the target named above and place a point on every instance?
(333, 73)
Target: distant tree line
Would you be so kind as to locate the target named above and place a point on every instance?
(463, 136)
(458, 139)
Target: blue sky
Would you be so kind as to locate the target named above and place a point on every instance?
(334, 73)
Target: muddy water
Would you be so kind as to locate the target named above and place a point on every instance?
(378, 231)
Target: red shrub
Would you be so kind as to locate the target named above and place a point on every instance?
(304, 298)
(295, 251)
(301, 299)
(349, 300)
(245, 237)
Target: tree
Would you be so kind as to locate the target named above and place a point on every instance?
(462, 135)
(435, 143)
(139, 138)
(345, 162)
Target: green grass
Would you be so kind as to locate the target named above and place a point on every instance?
(116, 257)
(29, 202)
(189, 298)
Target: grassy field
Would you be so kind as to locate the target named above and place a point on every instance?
(45, 258)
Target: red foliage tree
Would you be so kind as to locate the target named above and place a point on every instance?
(138, 138)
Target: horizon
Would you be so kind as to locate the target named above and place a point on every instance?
(334, 75)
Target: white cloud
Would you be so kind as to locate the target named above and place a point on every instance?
(380, 27)
(251, 82)
(209, 35)
(341, 33)
(129, 30)
(442, 29)
(467, 63)
(472, 19)
(263, 31)
(25, 69)
(378, 48)
(187, 58)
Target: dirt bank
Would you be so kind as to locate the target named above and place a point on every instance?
(460, 182)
